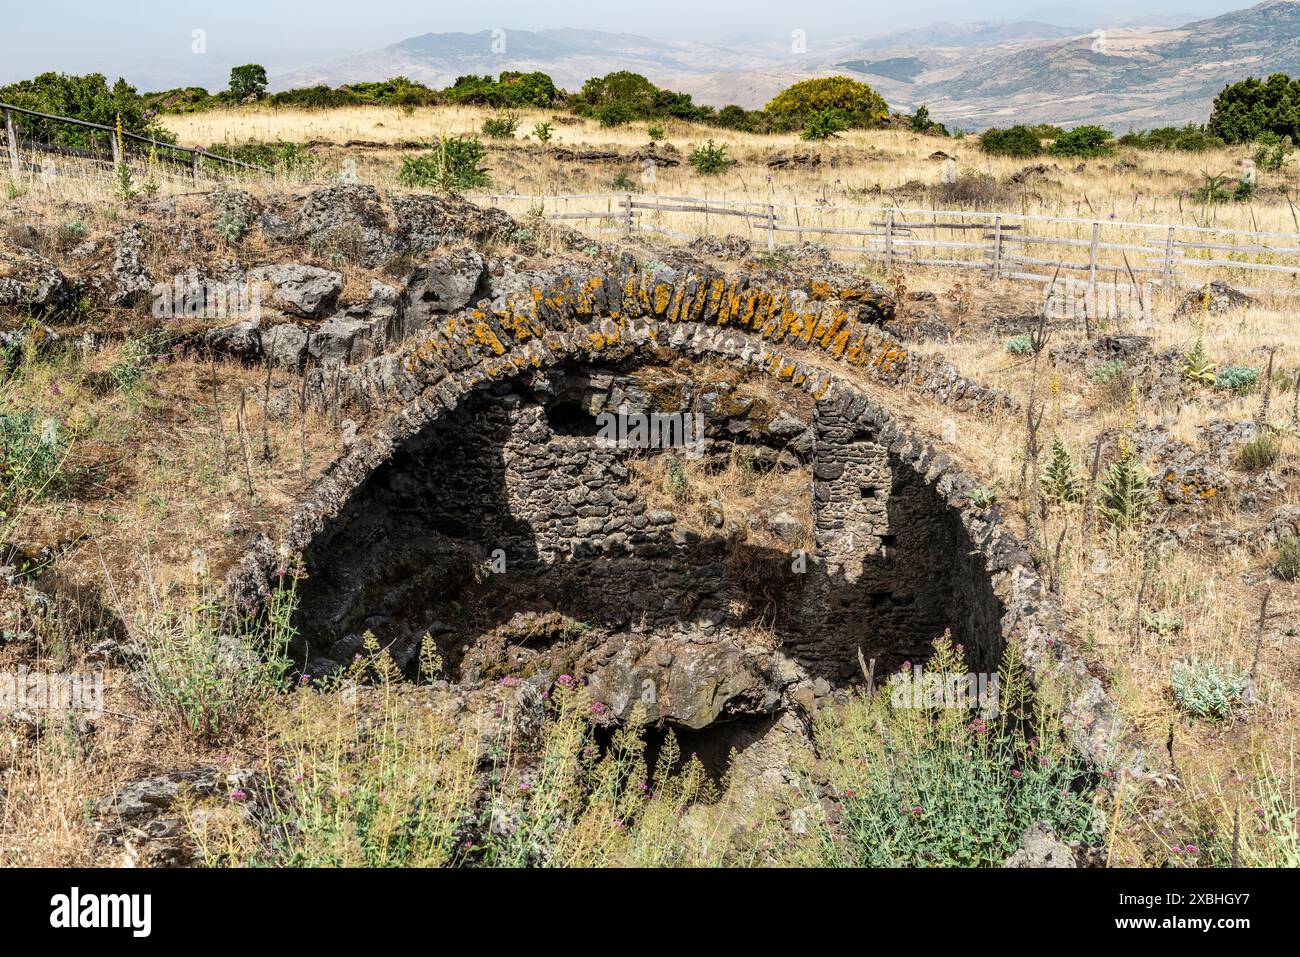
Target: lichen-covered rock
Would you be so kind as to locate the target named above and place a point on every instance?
(142, 817)
(427, 222)
(348, 220)
(129, 282)
(699, 683)
(31, 283)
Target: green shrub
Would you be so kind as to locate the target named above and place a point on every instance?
(710, 160)
(1018, 141)
(1236, 378)
(1273, 151)
(543, 132)
(1207, 689)
(824, 124)
(921, 122)
(452, 164)
(1245, 111)
(231, 226)
(615, 114)
(86, 97)
(1187, 139)
(1287, 564)
(283, 158)
(1259, 453)
(918, 786)
(1083, 141)
(655, 133)
(501, 127)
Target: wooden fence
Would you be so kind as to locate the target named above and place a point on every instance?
(1005, 245)
(17, 145)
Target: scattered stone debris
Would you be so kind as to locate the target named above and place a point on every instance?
(795, 160)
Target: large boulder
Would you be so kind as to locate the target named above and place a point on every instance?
(285, 344)
(427, 222)
(686, 682)
(442, 285)
(300, 290)
(340, 339)
(241, 341)
(349, 220)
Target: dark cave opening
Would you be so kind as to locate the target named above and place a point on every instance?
(482, 524)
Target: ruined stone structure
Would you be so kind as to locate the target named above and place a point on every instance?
(464, 457)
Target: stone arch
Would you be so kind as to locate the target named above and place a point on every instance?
(795, 336)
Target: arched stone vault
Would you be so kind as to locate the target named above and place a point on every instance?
(801, 337)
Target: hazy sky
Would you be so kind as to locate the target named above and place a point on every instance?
(149, 41)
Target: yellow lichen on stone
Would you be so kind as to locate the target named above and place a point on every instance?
(820, 290)
(662, 298)
(713, 293)
(485, 336)
(585, 301)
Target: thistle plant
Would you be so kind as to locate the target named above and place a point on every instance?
(1125, 493)
(1060, 480)
(1197, 366)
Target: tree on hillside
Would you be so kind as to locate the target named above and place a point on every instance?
(856, 104)
(248, 80)
(1246, 110)
(624, 87)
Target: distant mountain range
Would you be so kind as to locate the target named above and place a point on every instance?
(972, 75)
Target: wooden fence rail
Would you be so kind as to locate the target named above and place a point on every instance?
(1006, 245)
(14, 144)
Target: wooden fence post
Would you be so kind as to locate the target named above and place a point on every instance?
(889, 239)
(1092, 257)
(771, 228)
(1169, 259)
(997, 247)
(627, 199)
(12, 137)
(194, 165)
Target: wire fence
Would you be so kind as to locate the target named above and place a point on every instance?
(1004, 245)
(102, 150)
